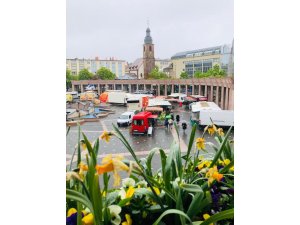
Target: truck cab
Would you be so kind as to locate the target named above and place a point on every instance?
(141, 123)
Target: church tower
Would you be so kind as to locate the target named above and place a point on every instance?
(148, 54)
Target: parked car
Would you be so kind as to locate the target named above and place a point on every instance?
(90, 87)
(125, 119)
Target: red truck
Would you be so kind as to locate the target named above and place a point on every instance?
(142, 121)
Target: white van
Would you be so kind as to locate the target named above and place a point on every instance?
(125, 119)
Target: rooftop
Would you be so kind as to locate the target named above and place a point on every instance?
(198, 52)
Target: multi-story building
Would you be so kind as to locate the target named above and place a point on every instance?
(114, 65)
(162, 63)
(200, 60)
(137, 67)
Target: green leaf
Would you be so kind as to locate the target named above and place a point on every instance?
(172, 211)
(78, 197)
(123, 202)
(96, 147)
(195, 204)
(97, 200)
(227, 214)
(191, 142)
(78, 149)
(90, 150)
(79, 216)
(68, 131)
(218, 154)
(191, 187)
(148, 161)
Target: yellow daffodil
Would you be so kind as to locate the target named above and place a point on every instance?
(112, 164)
(106, 136)
(82, 167)
(213, 174)
(206, 216)
(226, 161)
(220, 132)
(128, 220)
(88, 219)
(220, 162)
(231, 168)
(204, 164)
(211, 129)
(200, 143)
(71, 211)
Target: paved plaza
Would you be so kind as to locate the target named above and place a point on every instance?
(142, 144)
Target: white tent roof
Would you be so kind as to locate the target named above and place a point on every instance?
(201, 106)
(158, 102)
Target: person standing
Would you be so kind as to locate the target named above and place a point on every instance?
(170, 121)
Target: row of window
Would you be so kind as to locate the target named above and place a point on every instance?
(217, 51)
(203, 67)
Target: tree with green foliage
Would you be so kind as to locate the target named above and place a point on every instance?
(84, 74)
(68, 79)
(184, 75)
(216, 71)
(156, 74)
(105, 74)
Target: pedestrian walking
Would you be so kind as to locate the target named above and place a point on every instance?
(184, 125)
(166, 123)
(177, 119)
(170, 121)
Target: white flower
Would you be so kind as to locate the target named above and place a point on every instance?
(127, 182)
(142, 183)
(122, 193)
(114, 213)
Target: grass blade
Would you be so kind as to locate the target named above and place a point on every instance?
(172, 211)
(227, 214)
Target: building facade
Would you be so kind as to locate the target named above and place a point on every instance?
(115, 66)
(148, 54)
(200, 60)
(137, 67)
(162, 63)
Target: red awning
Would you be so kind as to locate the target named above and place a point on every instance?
(153, 116)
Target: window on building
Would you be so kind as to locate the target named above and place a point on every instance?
(150, 48)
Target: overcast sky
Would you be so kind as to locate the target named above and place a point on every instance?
(116, 28)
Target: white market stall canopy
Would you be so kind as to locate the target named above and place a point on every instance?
(199, 106)
(158, 102)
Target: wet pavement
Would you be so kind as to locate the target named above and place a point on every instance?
(141, 144)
